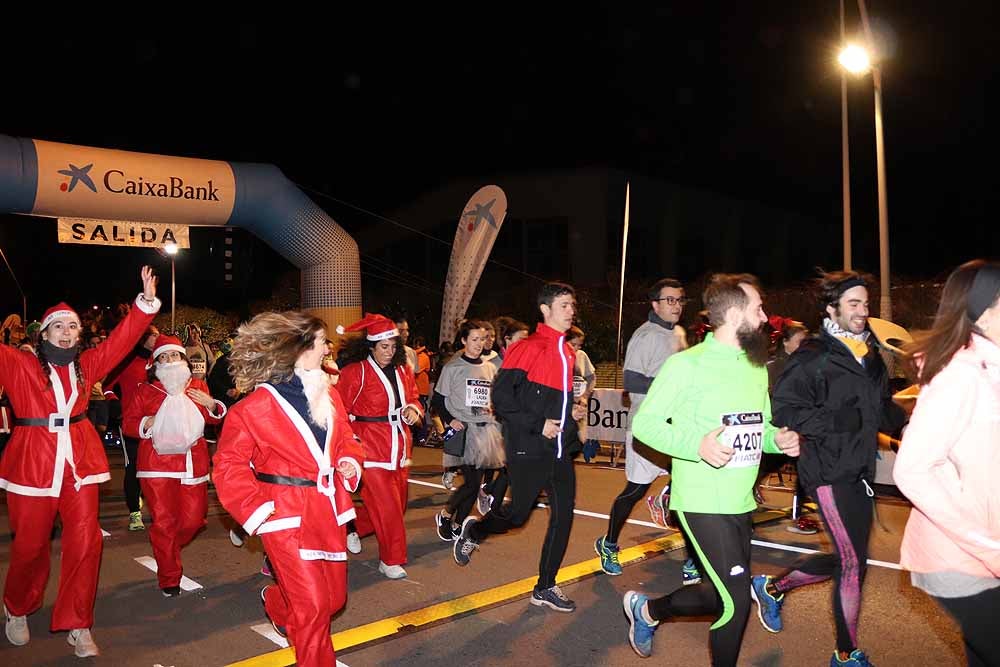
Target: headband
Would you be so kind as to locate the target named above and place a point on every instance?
(984, 291)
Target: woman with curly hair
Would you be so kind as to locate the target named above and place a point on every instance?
(378, 389)
(53, 464)
(285, 467)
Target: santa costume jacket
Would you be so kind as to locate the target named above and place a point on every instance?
(189, 468)
(264, 435)
(36, 457)
(376, 410)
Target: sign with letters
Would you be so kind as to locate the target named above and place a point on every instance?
(607, 417)
(117, 232)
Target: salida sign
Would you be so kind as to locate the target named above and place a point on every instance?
(115, 232)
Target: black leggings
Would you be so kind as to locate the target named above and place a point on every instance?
(976, 615)
(622, 508)
(131, 483)
(527, 478)
(722, 542)
(462, 499)
(847, 512)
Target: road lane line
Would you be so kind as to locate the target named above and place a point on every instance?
(150, 562)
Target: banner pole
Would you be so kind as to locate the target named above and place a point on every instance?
(621, 288)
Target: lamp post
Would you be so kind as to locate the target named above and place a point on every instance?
(856, 60)
(845, 153)
(171, 249)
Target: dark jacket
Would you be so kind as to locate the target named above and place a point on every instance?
(838, 406)
(535, 383)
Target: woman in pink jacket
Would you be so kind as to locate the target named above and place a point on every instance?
(949, 461)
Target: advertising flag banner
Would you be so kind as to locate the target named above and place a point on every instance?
(478, 227)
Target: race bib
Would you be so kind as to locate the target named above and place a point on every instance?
(477, 393)
(198, 367)
(579, 386)
(744, 433)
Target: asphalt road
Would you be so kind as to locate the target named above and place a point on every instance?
(465, 617)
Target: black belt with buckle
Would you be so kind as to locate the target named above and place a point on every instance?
(373, 419)
(44, 421)
(284, 481)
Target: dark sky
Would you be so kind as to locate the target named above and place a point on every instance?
(375, 106)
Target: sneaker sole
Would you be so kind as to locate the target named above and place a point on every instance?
(760, 611)
(691, 582)
(545, 603)
(631, 625)
(599, 555)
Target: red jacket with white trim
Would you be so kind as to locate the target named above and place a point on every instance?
(367, 393)
(35, 459)
(191, 467)
(264, 434)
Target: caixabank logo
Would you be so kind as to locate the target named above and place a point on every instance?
(77, 175)
(117, 182)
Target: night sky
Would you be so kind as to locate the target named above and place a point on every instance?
(375, 106)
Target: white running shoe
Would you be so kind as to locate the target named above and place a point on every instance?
(392, 571)
(83, 643)
(484, 501)
(235, 538)
(17, 628)
(353, 543)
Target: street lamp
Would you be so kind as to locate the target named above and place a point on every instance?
(171, 249)
(856, 60)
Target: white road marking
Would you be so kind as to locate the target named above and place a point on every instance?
(150, 562)
(269, 633)
(105, 533)
(801, 550)
(265, 630)
(593, 515)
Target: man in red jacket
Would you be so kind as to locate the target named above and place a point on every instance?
(53, 464)
(533, 396)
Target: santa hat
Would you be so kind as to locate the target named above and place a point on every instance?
(165, 343)
(378, 327)
(55, 312)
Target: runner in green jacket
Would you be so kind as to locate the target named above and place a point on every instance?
(709, 409)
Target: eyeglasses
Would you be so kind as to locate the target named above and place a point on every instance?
(674, 301)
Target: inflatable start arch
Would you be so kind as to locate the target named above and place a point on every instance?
(55, 180)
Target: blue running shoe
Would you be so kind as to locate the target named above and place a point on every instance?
(690, 573)
(609, 556)
(640, 633)
(856, 659)
(768, 606)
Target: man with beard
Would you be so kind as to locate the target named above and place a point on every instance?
(835, 392)
(708, 408)
(129, 375)
(171, 414)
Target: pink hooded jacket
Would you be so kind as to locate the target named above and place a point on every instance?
(949, 467)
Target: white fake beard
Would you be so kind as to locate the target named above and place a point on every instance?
(316, 384)
(174, 376)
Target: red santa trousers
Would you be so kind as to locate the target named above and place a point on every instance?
(178, 512)
(308, 594)
(31, 520)
(384, 493)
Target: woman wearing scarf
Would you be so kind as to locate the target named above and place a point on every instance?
(53, 464)
(285, 468)
(172, 411)
(378, 389)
